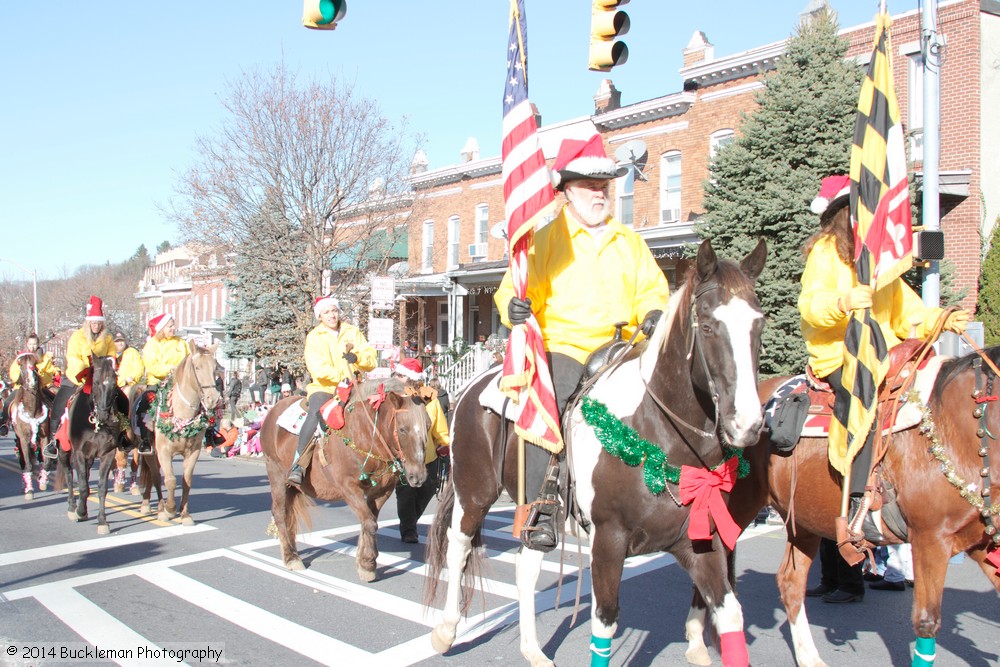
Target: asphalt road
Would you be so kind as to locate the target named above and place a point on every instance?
(220, 585)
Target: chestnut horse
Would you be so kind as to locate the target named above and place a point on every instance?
(96, 422)
(183, 408)
(940, 473)
(678, 409)
(360, 465)
(29, 419)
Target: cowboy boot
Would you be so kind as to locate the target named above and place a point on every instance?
(864, 525)
(295, 476)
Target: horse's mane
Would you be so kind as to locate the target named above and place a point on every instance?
(370, 387)
(729, 276)
(951, 369)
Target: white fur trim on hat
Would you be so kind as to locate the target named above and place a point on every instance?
(324, 302)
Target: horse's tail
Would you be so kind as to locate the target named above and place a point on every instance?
(298, 505)
(437, 551)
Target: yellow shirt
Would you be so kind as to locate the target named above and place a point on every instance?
(160, 356)
(324, 356)
(825, 280)
(44, 366)
(130, 367)
(438, 431)
(79, 349)
(580, 286)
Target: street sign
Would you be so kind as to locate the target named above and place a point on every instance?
(380, 333)
(383, 293)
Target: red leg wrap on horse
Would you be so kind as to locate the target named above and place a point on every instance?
(734, 649)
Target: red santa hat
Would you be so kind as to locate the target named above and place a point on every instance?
(95, 310)
(323, 302)
(583, 158)
(833, 191)
(157, 324)
(410, 368)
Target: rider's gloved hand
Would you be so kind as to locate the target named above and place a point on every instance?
(649, 322)
(350, 357)
(443, 451)
(518, 310)
(859, 297)
(957, 321)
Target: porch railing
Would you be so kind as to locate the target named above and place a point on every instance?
(455, 376)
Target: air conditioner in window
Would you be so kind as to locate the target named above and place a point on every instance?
(477, 250)
(670, 215)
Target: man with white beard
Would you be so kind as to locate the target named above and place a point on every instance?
(586, 271)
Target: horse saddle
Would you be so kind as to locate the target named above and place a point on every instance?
(902, 365)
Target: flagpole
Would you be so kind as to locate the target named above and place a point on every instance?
(931, 203)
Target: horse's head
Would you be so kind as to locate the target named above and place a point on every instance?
(409, 430)
(104, 388)
(29, 373)
(202, 366)
(726, 326)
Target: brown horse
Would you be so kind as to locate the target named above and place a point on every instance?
(360, 465)
(29, 418)
(96, 422)
(676, 411)
(940, 473)
(184, 407)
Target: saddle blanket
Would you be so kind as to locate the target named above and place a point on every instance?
(818, 425)
(493, 399)
(292, 417)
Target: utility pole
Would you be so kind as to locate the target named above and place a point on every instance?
(931, 45)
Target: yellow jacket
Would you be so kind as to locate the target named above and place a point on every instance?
(825, 280)
(46, 370)
(130, 367)
(79, 350)
(438, 432)
(325, 356)
(579, 289)
(160, 356)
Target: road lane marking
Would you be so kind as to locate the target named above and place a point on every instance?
(107, 542)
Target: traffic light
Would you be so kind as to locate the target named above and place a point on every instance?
(323, 14)
(607, 23)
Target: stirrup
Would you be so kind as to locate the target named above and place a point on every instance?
(539, 530)
(862, 522)
(295, 476)
(51, 450)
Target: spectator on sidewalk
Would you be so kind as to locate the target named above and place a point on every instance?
(235, 390)
(839, 581)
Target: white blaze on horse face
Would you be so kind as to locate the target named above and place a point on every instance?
(739, 318)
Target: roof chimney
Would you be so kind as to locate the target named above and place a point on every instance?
(608, 98)
(698, 50)
(470, 152)
(419, 163)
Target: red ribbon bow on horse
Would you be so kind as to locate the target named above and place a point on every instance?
(376, 399)
(702, 489)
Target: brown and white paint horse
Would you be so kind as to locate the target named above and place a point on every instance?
(690, 389)
(29, 419)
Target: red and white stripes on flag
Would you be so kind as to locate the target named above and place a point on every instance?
(528, 196)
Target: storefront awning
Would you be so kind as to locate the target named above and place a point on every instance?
(377, 247)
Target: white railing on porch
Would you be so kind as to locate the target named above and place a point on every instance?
(454, 377)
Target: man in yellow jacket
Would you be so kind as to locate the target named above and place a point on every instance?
(586, 271)
(411, 502)
(335, 352)
(163, 352)
(90, 340)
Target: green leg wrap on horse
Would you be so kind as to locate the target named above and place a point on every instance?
(924, 652)
(600, 651)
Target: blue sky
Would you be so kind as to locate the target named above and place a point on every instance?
(103, 101)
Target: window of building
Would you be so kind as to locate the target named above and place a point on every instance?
(427, 260)
(719, 139)
(670, 187)
(454, 232)
(482, 223)
(625, 191)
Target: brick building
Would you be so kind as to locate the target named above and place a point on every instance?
(455, 264)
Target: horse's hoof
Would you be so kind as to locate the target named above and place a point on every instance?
(134, 490)
(366, 576)
(698, 656)
(295, 565)
(541, 661)
(71, 515)
(144, 508)
(43, 486)
(442, 638)
(30, 495)
(119, 488)
(104, 530)
(80, 518)
(163, 516)
(187, 521)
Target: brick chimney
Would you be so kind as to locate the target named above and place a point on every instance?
(698, 50)
(608, 98)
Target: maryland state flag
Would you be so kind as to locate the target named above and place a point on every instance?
(883, 241)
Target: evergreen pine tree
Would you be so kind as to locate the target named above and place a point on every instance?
(762, 184)
(988, 305)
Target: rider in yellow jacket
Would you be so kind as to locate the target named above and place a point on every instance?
(130, 367)
(46, 369)
(89, 340)
(586, 271)
(335, 351)
(163, 352)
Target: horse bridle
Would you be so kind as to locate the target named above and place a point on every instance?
(201, 387)
(93, 418)
(396, 455)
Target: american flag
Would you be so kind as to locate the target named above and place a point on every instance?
(883, 241)
(528, 196)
